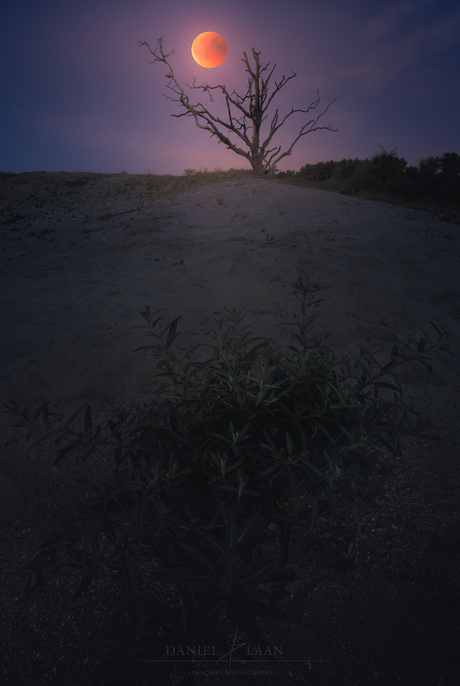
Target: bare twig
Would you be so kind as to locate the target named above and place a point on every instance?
(245, 114)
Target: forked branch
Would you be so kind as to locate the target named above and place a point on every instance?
(245, 114)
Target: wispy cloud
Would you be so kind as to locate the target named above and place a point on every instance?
(440, 36)
(389, 57)
(89, 131)
(382, 66)
(391, 18)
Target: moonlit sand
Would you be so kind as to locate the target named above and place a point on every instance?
(82, 260)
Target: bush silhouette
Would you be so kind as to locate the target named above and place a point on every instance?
(434, 179)
(253, 439)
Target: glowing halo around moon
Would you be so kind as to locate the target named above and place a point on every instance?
(209, 49)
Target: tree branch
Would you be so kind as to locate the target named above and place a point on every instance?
(251, 110)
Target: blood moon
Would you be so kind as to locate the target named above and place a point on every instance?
(209, 49)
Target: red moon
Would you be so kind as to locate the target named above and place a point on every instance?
(209, 49)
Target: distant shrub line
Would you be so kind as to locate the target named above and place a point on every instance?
(436, 179)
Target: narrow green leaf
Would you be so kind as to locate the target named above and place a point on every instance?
(191, 589)
(438, 331)
(261, 609)
(88, 420)
(122, 538)
(172, 332)
(205, 563)
(206, 618)
(95, 540)
(289, 444)
(356, 514)
(427, 366)
(108, 528)
(181, 573)
(85, 582)
(89, 452)
(145, 505)
(285, 539)
(157, 549)
(125, 579)
(38, 412)
(256, 576)
(249, 625)
(248, 526)
(75, 414)
(323, 429)
(65, 451)
(207, 536)
(43, 438)
(283, 518)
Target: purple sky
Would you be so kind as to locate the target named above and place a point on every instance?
(79, 94)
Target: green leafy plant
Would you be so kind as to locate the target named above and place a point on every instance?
(222, 463)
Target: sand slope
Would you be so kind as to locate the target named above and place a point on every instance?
(78, 265)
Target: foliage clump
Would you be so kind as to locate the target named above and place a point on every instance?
(253, 441)
(434, 179)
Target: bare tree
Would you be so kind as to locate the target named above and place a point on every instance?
(245, 114)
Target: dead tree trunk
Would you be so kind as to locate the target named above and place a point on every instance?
(245, 114)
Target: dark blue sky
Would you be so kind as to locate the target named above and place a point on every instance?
(79, 94)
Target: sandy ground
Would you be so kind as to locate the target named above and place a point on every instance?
(77, 263)
(69, 297)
